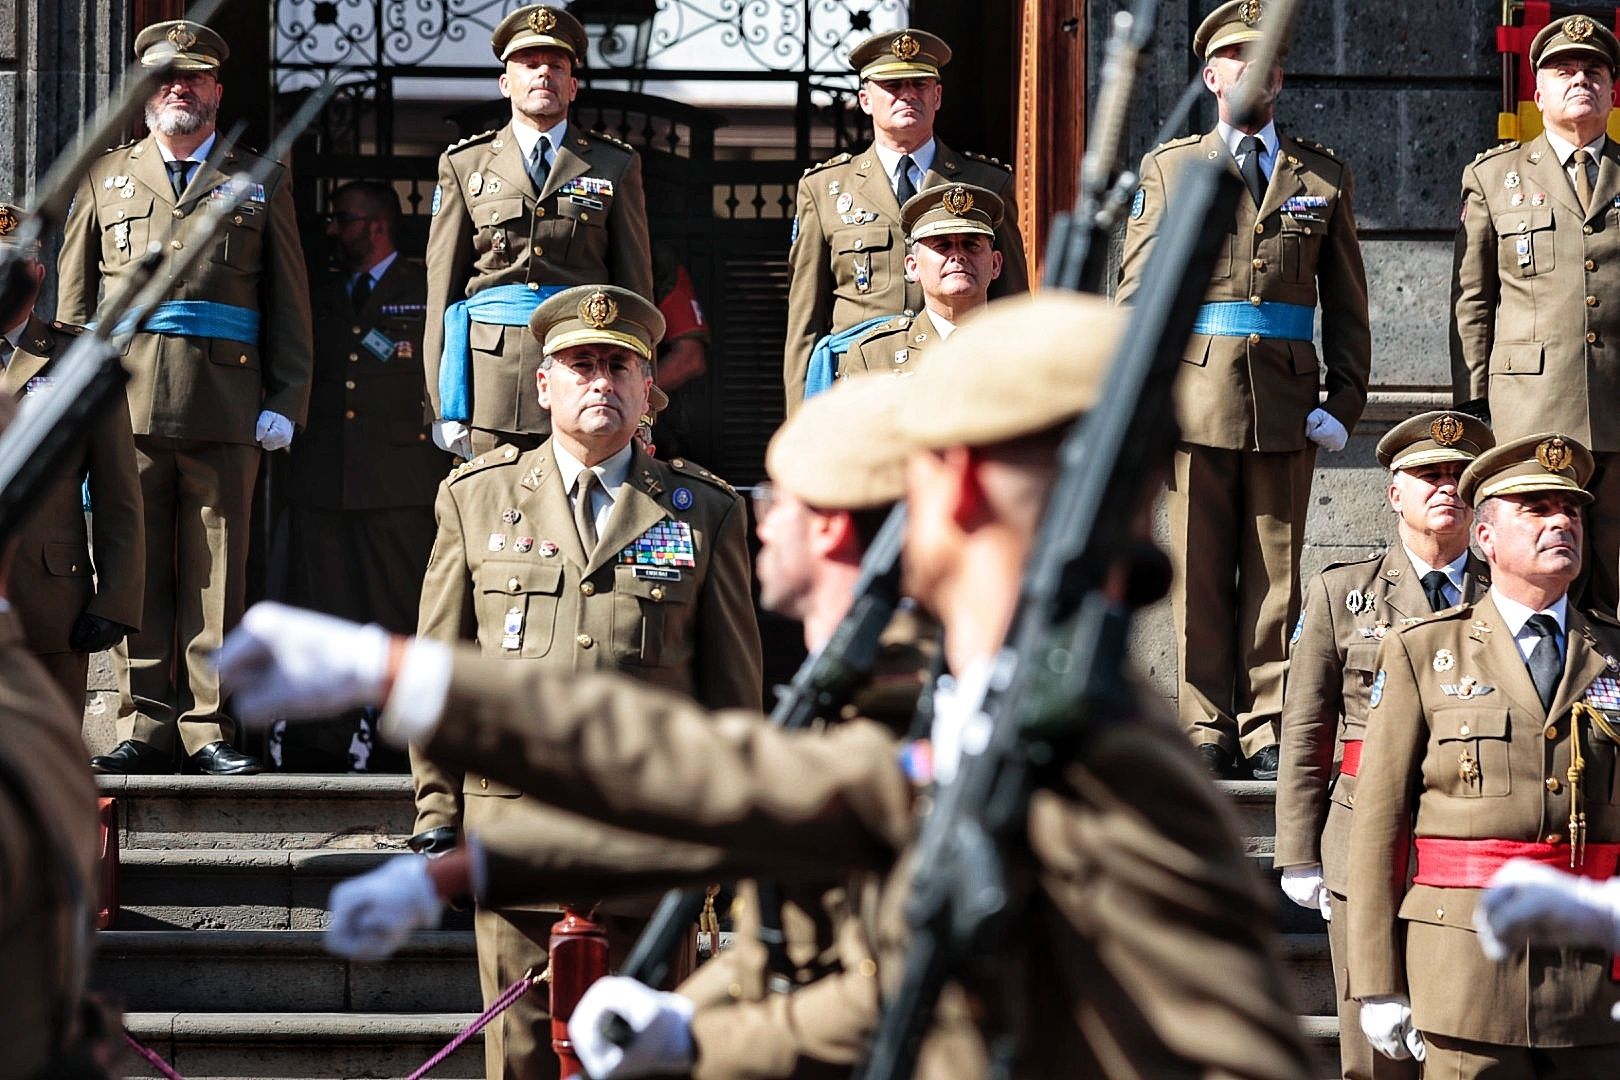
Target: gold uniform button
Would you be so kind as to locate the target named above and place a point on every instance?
(237, 220)
(348, 414)
(513, 583)
(1259, 264)
(1552, 732)
(585, 217)
(735, 990)
(1591, 264)
(1591, 301)
(354, 358)
(242, 359)
(348, 384)
(1553, 785)
(483, 784)
(588, 588)
(539, 211)
(177, 245)
(421, 436)
(537, 251)
(657, 592)
(1255, 300)
(176, 212)
(73, 568)
(1555, 838)
(1591, 337)
(1463, 730)
(868, 967)
(355, 330)
(1587, 229)
(1254, 339)
(1439, 912)
(585, 641)
(1259, 228)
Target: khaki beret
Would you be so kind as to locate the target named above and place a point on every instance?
(539, 25)
(1020, 366)
(947, 209)
(1575, 34)
(1432, 437)
(900, 54)
(587, 314)
(842, 450)
(186, 46)
(11, 219)
(1236, 22)
(1545, 462)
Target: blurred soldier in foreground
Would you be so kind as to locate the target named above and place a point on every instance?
(1140, 953)
(1248, 399)
(1349, 609)
(1528, 900)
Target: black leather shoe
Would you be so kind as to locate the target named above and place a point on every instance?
(1263, 766)
(438, 841)
(1216, 759)
(133, 758)
(222, 759)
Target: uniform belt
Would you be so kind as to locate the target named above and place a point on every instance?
(203, 318)
(1269, 319)
(499, 305)
(1350, 761)
(825, 356)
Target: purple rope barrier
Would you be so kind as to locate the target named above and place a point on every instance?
(508, 998)
(152, 1058)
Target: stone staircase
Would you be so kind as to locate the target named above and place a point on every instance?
(217, 954)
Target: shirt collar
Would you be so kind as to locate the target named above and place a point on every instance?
(942, 326)
(1515, 614)
(377, 270)
(200, 154)
(527, 136)
(1453, 569)
(611, 472)
(922, 157)
(1267, 135)
(1565, 149)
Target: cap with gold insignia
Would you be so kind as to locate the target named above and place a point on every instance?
(1061, 344)
(587, 314)
(1545, 462)
(1237, 22)
(1432, 437)
(1575, 35)
(947, 209)
(184, 45)
(841, 451)
(900, 54)
(657, 402)
(11, 219)
(539, 26)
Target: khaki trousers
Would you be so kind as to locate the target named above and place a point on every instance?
(1357, 1059)
(1463, 1059)
(1237, 524)
(198, 503)
(70, 671)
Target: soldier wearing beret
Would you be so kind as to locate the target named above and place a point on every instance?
(582, 554)
(1491, 735)
(1248, 397)
(848, 257)
(950, 235)
(1349, 609)
(1536, 337)
(218, 374)
(521, 213)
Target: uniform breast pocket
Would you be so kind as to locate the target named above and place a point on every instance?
(1469, 758)
(1360, 665)
(126, 228)
(241, 241)
(1301, 242)
(586, 236)
(517, 608)
(1603, 758)
(858, 254)
(652, 619)
(502, 229)
(1525, 245)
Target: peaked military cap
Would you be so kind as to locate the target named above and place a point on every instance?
(1575, 34)
(1236, 22)
(1020, 366)
(947, 209)
(842, 450)
(900, 54)
(539, 25)
(587, 314)
(1545, 462)
(11, 220)
(187, 46)
(1432, 437)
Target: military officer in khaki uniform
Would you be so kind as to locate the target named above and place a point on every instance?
(1490, 735)
(519, 213)
(218, 374)
(1138, 952)
(1247, 400)
(848, 253)
(582, 554)
(950, 232)
(1536, 338)
(70, 605)
(1349, 609)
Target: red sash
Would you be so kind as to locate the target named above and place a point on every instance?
(1350, 764)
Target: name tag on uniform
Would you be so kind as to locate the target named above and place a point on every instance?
(655, 573)
(586, 201)
(379, 344)
(666, 544)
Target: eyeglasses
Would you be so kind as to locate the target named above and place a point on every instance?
(764, 496)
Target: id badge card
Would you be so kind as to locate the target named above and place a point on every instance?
(380, 345)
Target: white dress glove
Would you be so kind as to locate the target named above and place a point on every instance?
(284, 663)
(373, 914)
(660, 1028)
(1324, 429)
(1527, 900)
(273, 431)
(452, 437)
(1387, 1023)
(1304, 886)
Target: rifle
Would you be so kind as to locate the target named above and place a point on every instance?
(90, 373)
(1057, 680)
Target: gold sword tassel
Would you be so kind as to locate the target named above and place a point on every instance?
(1577, 797)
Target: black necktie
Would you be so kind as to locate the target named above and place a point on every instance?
(1249, 150)
(1434, 587)
(539, 166)
(177, 175)
(903, 187)
(360, 292)
(1545, 667)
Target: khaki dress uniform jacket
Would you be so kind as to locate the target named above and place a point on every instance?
(1330, 673)
(1136, 828)
(51, 571)
(193, 403)
(1489, 765)
(1242, 474)
(849, 265)
(49, 823)
(1537, 326)
(490, 227)
(896, 346)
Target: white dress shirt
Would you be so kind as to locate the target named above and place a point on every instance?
(1516, 615)
(611, 474)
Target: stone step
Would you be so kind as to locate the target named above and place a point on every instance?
(278, 810)
(282, 970)
(1255, 804)
(203, 1046)
(1322, 1039)
(232, 888)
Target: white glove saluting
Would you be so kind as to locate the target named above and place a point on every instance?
(373, 914)
(452, 437)
(660, 1030)
(1527, 900)
(1324, 429)
(273, 431)
(1387, 1023)
(284, 663)
(1305, 887)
